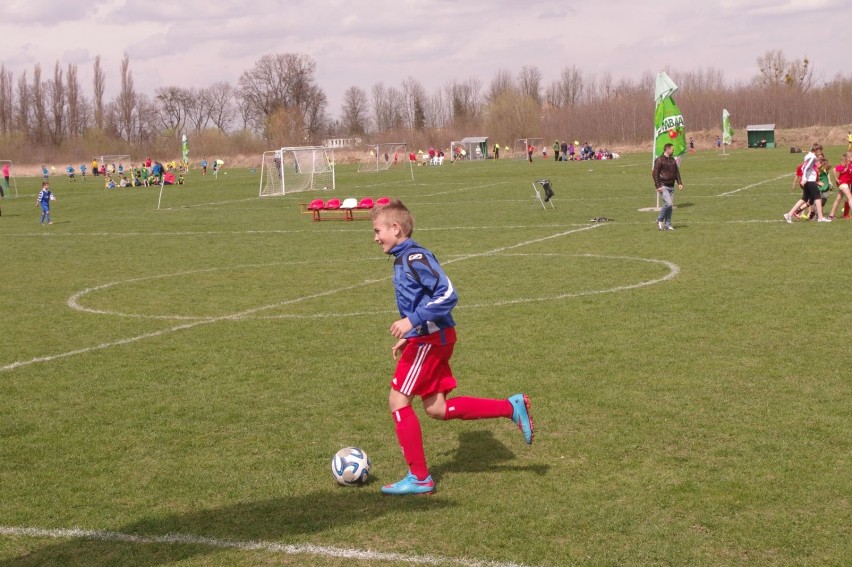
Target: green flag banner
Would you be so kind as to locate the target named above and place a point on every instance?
(668, 121)
(185, 149)
(727, 130)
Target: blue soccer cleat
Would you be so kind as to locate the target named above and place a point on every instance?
(521, 416)
(410, 485)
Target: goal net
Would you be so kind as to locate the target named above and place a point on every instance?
(115, 164)
(382, 157)
(290, 170)
(521, 148)
(8, 183)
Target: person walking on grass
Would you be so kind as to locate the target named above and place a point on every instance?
(43, 200)
(426, 337)
(666, 174)
(811, 194)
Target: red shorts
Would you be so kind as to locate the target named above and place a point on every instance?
(424, 367)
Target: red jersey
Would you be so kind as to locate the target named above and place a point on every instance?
(844, 174)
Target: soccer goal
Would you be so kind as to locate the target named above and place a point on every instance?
(7, 179)
(382, 157)
(520, 150)
(115, 164)
(290, 170)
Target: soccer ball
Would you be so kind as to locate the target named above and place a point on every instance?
(350, 466)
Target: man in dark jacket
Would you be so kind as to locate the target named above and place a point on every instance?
(666, 174)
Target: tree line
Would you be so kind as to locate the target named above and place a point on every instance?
(278, 102)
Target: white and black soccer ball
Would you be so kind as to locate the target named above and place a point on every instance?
(351, 466)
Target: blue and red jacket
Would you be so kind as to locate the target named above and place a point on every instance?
(424, 293)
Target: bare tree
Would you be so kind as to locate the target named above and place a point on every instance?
(513, 115)
(75, 102)
(56, 94)
(170, 104)
(284, 81)
(501, 83)
(221, 101)
(464, 101)
(6, 100)
(354, 119)
(529, 82)
(568, 90)
(414, 103)
(380, 110)
(147, 119)
(22, 118)
(198, 109)
(799, 74)
(126, 102)
(437, 111)
(98, 82)
(39, 106)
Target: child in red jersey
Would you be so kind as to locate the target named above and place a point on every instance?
(425, 339)
(843, 178)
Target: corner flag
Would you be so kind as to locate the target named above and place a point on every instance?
(727, 131)
(668, 121)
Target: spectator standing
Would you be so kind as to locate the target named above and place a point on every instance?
(5, 179)
(666, 175)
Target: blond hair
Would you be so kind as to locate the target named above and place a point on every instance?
(395, 212)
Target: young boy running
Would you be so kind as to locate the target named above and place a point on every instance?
(426, 337)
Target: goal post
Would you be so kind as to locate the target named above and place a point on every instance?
(290, 170)
(118, 164)
(521, 147)
(7, 179)
(385, 157)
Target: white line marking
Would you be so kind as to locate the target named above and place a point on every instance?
(292, 231)
(248, 312)
(754, 185)
(252, 545)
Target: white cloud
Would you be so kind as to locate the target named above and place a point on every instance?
(357, 42)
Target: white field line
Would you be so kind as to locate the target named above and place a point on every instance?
(674, 270)
(468, 188)
(249, 312)
(252, 545)
(754, 185)
(363, 230)
(183, 327)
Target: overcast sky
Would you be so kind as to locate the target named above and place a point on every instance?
(192, 43)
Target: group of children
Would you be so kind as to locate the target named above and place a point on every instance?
(148, 174)
(814, 177)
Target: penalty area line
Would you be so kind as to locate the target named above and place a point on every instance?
(251, 545)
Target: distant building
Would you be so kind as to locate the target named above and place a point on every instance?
(337, 143)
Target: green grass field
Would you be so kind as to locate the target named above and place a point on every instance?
(174, 383)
